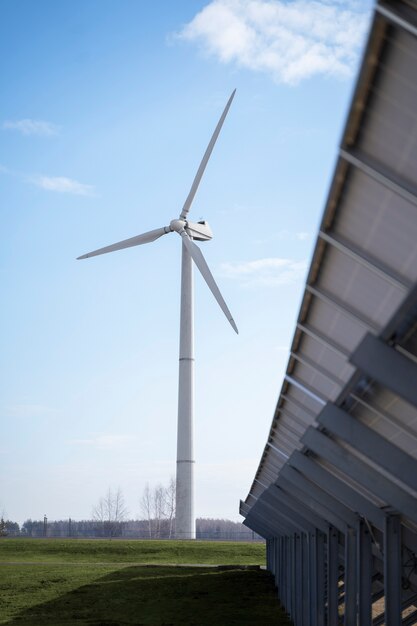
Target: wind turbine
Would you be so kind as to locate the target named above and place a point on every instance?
(188, 231)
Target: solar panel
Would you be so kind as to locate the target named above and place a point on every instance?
(346, 417)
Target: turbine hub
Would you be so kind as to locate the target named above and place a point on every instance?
(177, 225)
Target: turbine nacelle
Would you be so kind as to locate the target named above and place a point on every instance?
(200, 231)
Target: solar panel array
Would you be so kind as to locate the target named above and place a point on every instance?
(335, 493)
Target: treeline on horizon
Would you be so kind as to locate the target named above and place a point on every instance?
(206, 528)
(110, 518)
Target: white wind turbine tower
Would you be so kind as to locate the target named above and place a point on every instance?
(200, 231)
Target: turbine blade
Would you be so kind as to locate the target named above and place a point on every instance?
(200, 261)
(205, 159)
(151, 235)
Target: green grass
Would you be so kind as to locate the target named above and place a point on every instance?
(136, 551)
(99, 583)
(33, 595)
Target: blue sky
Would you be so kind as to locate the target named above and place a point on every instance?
(106, 110)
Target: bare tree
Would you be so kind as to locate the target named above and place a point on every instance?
(110, 512)
(158, 502)
(158, 509)
(146, 507)
(3, 529)
(170, 493)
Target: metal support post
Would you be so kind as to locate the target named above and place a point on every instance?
(298, 580)
(305, 609)
(268, 549)
(287, 575)
(313, 578)
(277, 563)
(321, 578)
(281, 565)
(392, 570)
(332, 577)
(364, 575)
(350, 577)
(293, 578)
(274, 554)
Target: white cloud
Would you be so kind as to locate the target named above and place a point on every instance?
(28, 410)
(271, 271)
(32, 127)
(302, 236)
(103, 442)
(289, 40)
(63, 185)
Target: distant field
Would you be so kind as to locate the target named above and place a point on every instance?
(62, 583)
(136, 551)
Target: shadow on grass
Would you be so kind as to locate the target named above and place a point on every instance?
(164, 596)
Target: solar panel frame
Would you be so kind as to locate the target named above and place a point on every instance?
(362, 279)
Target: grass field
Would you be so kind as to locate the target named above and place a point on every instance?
(121, 551)
(60, 583)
